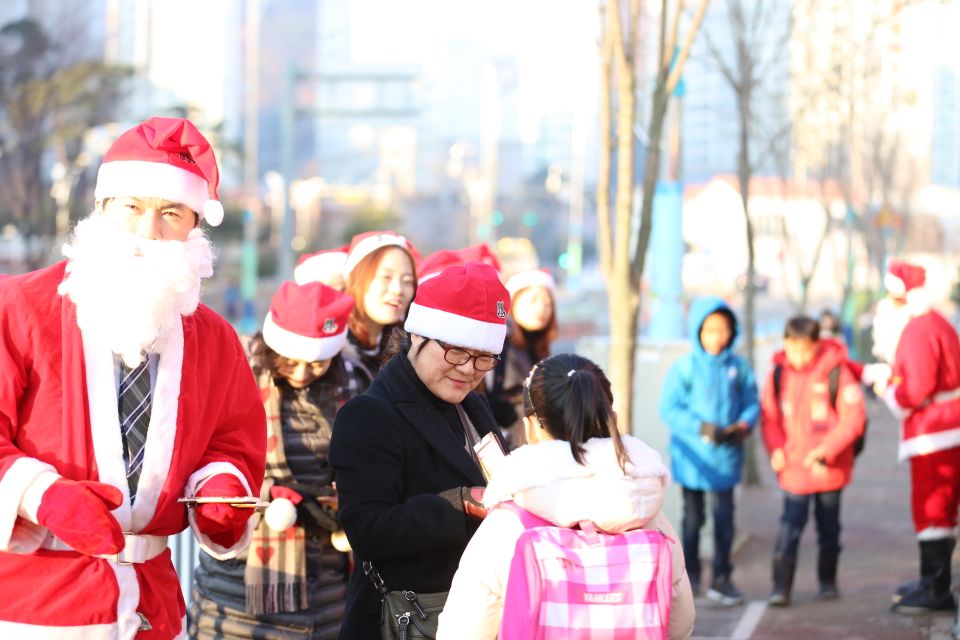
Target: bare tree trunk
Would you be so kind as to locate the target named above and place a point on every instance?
(622, 254)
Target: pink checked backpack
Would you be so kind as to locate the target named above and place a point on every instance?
(582, 583)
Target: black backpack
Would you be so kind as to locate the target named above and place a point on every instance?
(833, 381)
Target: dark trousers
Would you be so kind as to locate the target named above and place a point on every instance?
(723, 530)
(796, 509)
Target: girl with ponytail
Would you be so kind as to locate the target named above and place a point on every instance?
(577, 466)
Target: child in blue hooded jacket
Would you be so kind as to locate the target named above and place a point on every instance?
(709, 401)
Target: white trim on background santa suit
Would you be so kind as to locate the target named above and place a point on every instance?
(206, 418)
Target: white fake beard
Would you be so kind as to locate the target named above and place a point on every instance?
(888, 323)
(130, 292)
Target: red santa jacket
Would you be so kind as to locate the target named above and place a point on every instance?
(805, 418)
(926, 370)
(58, 412)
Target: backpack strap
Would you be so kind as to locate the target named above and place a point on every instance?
(527, 519)
(777, 377)
(833, 380)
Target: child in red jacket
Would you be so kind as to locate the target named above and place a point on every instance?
(812, 412)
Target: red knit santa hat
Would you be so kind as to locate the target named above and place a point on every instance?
(307, 322)
(533, 278)
(903, 277)
(363, 244)
(465, 306)
(317, 267)
(163, 158)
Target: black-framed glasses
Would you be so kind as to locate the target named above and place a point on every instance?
(457, 357)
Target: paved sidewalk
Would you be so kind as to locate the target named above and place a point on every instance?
(879, 552)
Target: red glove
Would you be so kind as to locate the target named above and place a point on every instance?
(473, 502)
(79, 514)
(221, 522)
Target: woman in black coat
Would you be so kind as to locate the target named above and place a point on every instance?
(403, 452)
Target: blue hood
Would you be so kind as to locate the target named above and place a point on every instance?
(700, 387)
(699, 310)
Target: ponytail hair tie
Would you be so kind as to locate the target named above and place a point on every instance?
(571, 372)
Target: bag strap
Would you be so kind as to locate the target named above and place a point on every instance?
(527, 519)
(777, 377)
(833, 381)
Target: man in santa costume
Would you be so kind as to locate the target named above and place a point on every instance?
(119, 395)
(923, 390)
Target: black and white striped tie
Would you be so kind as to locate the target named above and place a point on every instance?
(134, 410)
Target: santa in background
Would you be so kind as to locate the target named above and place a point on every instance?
(120, 394)
(923, 390)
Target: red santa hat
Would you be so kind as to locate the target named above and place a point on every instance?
(319, 266)
(364, 244)
(903, 277)
(307, 322)
(163, 158)
(534, 278)
(465, 306)
(480, 253)
(436, 262)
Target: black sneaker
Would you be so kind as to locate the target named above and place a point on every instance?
(828, 591)
(725, 593)
(778, 599)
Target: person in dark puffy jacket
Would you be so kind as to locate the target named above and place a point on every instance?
(709, 401)
(292, 582)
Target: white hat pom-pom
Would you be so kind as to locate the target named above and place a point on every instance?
(281, 514)
(213, 212)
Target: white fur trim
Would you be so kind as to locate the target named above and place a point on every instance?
(455, 329)
(918, 302)
(162, 432)
(370, 244)
(33, 496)
(14, 486)
(105, 422)
(108, 452)
(890, 399)
(929, 443)
(128, 621)
(535, 278)
(22, 631)
(318, 267)
(937, 533)
(293, 345)
(196, 480)
(137, 178)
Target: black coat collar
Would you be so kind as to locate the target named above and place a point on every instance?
(422, 410)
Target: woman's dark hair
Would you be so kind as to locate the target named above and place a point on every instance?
(399, 341)
(357, 284)
(802, 327)
(570, 396)
(262, 357)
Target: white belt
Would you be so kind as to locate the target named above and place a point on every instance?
(137, 548)
(941, 397)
